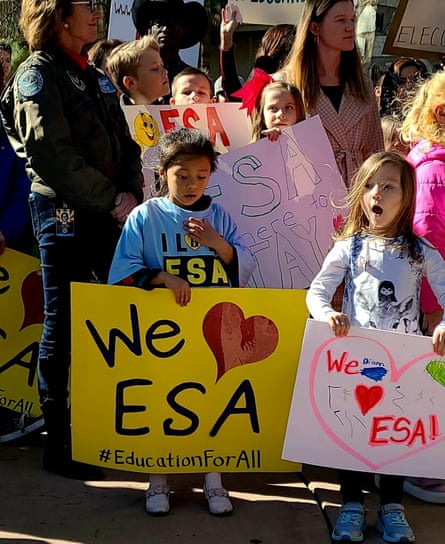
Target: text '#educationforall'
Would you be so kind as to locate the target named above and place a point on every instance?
(246, 459)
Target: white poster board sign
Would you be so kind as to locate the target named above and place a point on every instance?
(418, 29)
(281, 196)
(268, 12)
(227, 126)
(374, 401)
(120, 24)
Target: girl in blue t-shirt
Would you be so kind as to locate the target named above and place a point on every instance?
(182, 240)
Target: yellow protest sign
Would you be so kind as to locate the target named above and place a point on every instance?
(21, 317)
(160, 388)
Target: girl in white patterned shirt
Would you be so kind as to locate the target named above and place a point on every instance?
(382, 262)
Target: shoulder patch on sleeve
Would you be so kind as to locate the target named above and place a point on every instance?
(30, 82)
(105, 85)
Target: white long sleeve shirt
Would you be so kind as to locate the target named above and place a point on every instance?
(382, 282)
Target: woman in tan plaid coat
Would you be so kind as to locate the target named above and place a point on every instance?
(325, 65)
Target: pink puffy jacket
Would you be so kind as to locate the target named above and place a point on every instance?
(429, 220)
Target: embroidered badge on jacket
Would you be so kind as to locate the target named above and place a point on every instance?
(30, 82)
(105, 85)
(76, 81)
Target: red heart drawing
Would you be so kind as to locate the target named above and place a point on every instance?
(396, 414)
(32, 297)
(368, 397)
(235, 340)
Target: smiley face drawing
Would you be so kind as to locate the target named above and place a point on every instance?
(146, 130)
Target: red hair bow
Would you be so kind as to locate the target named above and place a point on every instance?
(251, 91)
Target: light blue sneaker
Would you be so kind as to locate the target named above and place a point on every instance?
(391, 522)
(426, 489)
(350, 523)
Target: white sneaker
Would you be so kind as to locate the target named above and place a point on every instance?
(157, 502)
(219, 502)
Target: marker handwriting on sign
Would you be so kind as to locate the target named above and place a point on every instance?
(165, 333)
(244, 392)
(301, 178)
(189, 119)
(26, 358)
(424, 36)
(161, 329)
(401, 430)
(244, 173)
(342, 364)
(4, 280)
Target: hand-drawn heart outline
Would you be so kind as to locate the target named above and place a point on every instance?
(368, 397)
(236, 341)
(395, 374)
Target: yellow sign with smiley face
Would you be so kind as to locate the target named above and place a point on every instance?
(146, 130)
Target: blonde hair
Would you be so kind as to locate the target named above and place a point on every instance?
(41, 20)
(258, 124)
(391, 129)
(420, 121)
(301, 66)
(124, 60)
(357, 221)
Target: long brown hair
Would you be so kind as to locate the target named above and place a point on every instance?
(101, 49)
(402, 225)
(277, 43)
(258, 124)
(301, 67)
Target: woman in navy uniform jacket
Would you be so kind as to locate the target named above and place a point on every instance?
(62, 115)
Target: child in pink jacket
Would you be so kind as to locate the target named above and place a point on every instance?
(424, 129)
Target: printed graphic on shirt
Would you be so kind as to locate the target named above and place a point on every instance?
(202, 271)
(30, 83)
(385, 281)
(387, 313)
(192, 244)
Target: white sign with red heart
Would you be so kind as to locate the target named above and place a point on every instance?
(375, 401)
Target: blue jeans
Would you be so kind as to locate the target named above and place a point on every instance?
(84, 257)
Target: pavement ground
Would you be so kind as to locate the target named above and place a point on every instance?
(270, 508)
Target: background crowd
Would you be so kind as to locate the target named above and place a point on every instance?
(71, 172)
